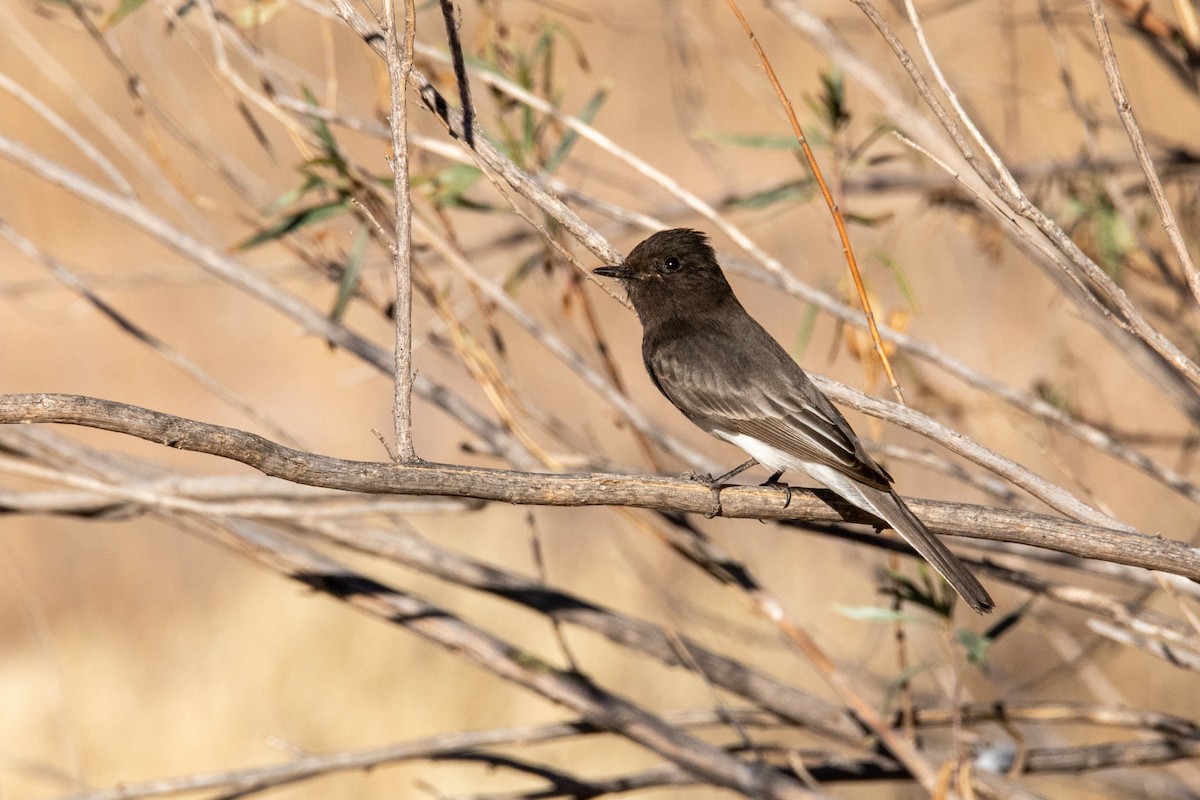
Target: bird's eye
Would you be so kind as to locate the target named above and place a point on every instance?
(671, 264)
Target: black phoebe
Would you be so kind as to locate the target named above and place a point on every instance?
(732, 379)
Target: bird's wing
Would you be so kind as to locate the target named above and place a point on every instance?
(724, 383)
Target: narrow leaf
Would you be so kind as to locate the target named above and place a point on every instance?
(293, 222)
(570, 137)
(752, 140)
(123, 10)
(256, 12)
(319, 125)
(792, 190)
(900, 278)
(804, 333)
(350, 274)
(877, 614)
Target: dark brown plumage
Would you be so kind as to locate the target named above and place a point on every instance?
(730, 377)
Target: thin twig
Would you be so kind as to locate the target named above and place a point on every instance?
(1116, 87)
(219, 264)
(1054, 496)
(399, 65)
(599, 706)
(139, 334)
(496, 294)
(1029, 404)
(834, 210)
(1021, 205)
(460, 72)
(72, 135)
(1051, 252)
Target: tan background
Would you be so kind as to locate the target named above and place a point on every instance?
(132, 651)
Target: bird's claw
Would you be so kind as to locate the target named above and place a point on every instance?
(714, 484)
(787, 490)
(715, 487)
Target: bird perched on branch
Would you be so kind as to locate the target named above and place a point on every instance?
(730, 377)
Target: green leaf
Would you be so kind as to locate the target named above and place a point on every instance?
(867, 221)
(833, 99)
(751, 140)
(877, 614)
(859, 150)
(792, 190)
(448, 188)
(978, 644)
(804, 333)
(933, 593)
(311, 183)
(905, 678)
(257, 12)
(295, 221)
(898, 276)
(543, 46)
(1054, 394)
(458, 178)
(123, 10)
(1113, 238)
(529, 127)
(570, 137)
(350, 274)
(512, 283)
(975, 644)
(319, 125)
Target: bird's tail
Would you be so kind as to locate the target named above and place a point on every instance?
(891, 509)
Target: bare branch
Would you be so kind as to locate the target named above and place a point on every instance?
(1116, 87)
(399, 66)
(1020, 205)
(597, 705)
(404, 546)
(1121, 547)
(228, 269)
(445, 746)
(1160, 371)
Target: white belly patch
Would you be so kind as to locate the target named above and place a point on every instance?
(766, 455)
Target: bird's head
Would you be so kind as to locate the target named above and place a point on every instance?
(673, 271)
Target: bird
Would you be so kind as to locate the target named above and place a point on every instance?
(732, 379)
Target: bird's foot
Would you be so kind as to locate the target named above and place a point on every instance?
(787, 490)
(714, 484)
(715, 511)
(738, 470)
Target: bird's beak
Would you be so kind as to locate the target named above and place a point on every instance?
(620, 272)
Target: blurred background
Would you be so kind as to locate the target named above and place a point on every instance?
(136, 648)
